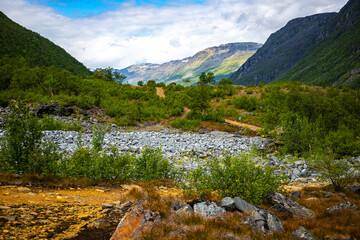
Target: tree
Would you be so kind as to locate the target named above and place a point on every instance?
(108, 74)
(206, 78)
(225, 81)
(140, 83)
(151, 83)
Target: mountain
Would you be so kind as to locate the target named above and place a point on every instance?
(335, 60)
(315, 49)
(221, 60)
(17, 41)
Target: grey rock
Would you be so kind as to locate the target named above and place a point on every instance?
(243, 206)
(342, 206)
(208, 209)
(265, 221)
(293, 207)
(295, 194)
(228, 203)
(185, 208)
(106, 205)
(355, 189)
(303, 234)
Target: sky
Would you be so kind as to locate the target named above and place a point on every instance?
(119, 33)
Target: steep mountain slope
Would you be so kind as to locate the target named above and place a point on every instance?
(222, 61)
(336, 60)
(327, 51)
(282, 50)
(17, 41)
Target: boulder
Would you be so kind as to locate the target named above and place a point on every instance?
(342, 206)
(208, 209)
(136, 221)
(243, 206)
(228, 203)
(303, 234)
(265, 221)
(289, 204)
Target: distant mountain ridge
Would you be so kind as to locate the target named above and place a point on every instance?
(316, 49)
(222, 60)
(17, 41)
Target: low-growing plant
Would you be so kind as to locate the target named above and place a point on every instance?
(338, 171)
(236, 176)
(185, 123)
(151, 165)
(49, 123)
(98, 138)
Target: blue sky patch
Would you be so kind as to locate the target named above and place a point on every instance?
(83, 8)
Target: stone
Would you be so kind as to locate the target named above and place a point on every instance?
(24, 189)
(228, 203)
(303, 234)
(296, 194)
(208, 209)
(293, 207)
(342, 206)
(60, 199)
(106, 205)
(265, 221)
(243, 206)
(5, 208)
(136, 221)
(280, 208)
(185, 208)
(99, 223)
(355, 189)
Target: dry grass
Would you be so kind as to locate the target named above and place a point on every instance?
(324, 225)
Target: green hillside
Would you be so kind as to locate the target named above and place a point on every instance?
(319, 49)
(336, 61)
(17, 41)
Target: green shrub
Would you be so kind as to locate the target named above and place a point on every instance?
(151, 165)
(339, 172)
(236, 176)
(98, 138)
(49, 123)
(45, 160)
(185, 123)
(247, 103)
(21, 139)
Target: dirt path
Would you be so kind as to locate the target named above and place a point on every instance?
(243, 125)
(186, 111)
(160, 92)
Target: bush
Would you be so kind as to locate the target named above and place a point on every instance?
(45, 160)
(151, 165)
(185, 123)
(98, 138)
(21, 139)
(247, 103)
(236, 176)
(339, 172)
(49, 123)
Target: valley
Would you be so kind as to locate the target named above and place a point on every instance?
(239, 141)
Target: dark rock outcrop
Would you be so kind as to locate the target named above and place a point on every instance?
(289, 205)
(265, 221)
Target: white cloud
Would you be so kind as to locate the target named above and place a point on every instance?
(136, 34)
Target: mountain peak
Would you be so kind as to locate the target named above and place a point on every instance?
(222, 60)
